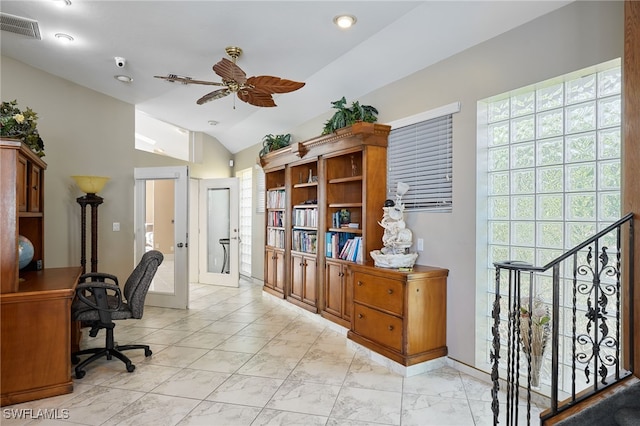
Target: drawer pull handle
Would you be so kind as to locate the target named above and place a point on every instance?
(359, 283)
(360, 316)
(390, 328)
(390, 291)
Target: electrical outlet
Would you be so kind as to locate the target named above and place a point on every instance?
(420, 244)
(116, 226)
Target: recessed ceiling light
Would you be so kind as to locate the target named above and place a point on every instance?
(344, 21)
(64, 38)
(123, 78)
(63, 3)
(213, 122)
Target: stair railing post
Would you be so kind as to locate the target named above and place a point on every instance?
(555, 337)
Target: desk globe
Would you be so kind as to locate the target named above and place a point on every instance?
(25, 251)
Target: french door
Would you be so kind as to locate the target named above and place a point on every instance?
(219, 232)
(161, 223)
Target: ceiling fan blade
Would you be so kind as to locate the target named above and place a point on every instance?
(230, 71)
(216, 94)
(270, 84)
(256, 98)
(173, 78)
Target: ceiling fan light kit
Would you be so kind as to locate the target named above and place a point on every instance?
(256, 90)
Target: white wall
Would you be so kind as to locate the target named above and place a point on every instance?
(574, 37)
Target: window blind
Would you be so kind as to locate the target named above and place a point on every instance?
(261, 189)
(420, 155)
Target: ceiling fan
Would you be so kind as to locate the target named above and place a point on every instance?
(253, 90)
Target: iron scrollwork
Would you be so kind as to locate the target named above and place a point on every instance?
(597, 336)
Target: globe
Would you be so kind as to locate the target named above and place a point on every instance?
(25, 251)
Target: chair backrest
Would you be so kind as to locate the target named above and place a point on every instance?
(138, 283)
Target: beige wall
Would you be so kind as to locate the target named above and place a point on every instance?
(574, 37)
(86, 132)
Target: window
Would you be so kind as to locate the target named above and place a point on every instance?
(245, 220)
(419, 153)
(552, 169)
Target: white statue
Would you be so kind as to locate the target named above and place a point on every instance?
(397, 238)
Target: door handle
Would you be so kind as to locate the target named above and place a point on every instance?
(180, 245)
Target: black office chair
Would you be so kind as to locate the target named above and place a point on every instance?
(99, 301)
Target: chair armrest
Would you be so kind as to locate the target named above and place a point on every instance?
(99, 291)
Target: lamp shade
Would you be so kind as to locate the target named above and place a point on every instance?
(90, 184)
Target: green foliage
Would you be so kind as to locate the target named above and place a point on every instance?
(346, 116)
(21, 125)
(274, 142)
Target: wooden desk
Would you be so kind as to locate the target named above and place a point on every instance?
(35, 331)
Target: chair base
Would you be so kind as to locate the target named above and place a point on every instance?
(98, 353)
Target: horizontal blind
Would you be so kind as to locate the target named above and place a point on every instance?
(261, 189)
(420, 155)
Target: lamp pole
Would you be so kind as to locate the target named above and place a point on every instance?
(94, 201)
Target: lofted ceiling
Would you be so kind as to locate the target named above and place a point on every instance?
(296, 40)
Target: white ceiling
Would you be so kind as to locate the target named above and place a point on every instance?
(296, 40)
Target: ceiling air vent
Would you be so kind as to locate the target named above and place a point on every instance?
(18, 25)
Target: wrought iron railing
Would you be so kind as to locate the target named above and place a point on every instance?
(595, 280)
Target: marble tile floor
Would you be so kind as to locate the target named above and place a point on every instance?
(238, 357)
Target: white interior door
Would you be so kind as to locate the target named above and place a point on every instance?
(219, 233)
(161, 223)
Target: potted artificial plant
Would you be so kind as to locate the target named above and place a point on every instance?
(347, 116)
(274, 142)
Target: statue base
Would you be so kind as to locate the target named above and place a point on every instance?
(401, 260)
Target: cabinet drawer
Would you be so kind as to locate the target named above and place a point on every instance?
(378, 326)
(383, 293)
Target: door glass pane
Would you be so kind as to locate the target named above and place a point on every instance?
(159, 231)
(218, 230)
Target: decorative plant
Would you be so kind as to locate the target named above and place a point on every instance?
(274, 142)
(21, 125)
(534, 339)
(346, 116)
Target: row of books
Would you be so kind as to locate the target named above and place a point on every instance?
(304, 241)
(276, 199)
(274, 218)
(344, 246)
(305, 217)
(275, 238)
(340, 217)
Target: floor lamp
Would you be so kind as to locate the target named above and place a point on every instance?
(90, 185)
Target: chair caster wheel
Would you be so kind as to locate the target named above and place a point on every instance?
(80, 374)
(74, 359)
(130, 368)
(147, 352)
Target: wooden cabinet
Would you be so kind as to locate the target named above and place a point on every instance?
(23, 209)
(320, 178)
(35, 303)
(303, 291)
(303, 190)
(274, 271)
(338, 294)
(401, 315)
(275, 238)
